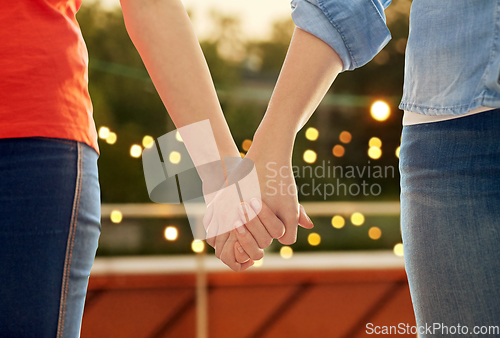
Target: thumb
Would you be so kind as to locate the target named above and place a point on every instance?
(304, 220)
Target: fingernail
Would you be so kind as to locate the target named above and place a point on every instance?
(239, 227)
(256, 204)
(240, 249)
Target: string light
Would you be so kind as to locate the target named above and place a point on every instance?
(116, 216)
(374, 153)
(374, 233)
(345, 137)
(147, 141)
(314, 239)
(338, 151)
(286, 252)
(380, 111)
(174, 157)
(197, 246)
(338, 222)
(103, 132)
(135, 151)
(111, 139)
(178, 136)
(375, 142)
(312, 134)
(171, 233)
(310, 156)
(398, 250)
(246, 145)
(357, 219)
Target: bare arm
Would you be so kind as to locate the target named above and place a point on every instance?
(309, 69)
(162, 33)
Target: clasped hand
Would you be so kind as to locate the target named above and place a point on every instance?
(251, 210)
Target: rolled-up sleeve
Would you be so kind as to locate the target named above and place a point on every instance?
(355, 29)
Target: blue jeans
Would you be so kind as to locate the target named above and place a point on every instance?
(49, 229)
(450, 219)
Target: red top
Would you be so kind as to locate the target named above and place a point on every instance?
(43, 72)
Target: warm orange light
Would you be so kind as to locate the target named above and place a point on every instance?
(357, 218)
(314, 239)
(374, 153)
(312, 134)
(338, 222)
(374, 233)
(375, 142)
(135, 151)
(398, 250)
(310, 156)
(246, 145)
(338, 151)
(345, 137)
(286, 252)
(380, 111)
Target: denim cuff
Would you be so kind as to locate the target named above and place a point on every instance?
(355, 29)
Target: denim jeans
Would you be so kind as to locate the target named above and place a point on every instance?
(49, 229)
(450, 219)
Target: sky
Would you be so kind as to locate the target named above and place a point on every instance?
(256, 16)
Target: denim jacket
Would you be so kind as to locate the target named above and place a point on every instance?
(452, 54)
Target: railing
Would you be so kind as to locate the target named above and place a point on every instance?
(201, 264)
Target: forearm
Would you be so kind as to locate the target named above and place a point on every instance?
(309, 69)
(162, 33)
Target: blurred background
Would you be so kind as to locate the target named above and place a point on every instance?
(356, 240)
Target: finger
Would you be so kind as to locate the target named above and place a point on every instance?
(246, 265)
(304, 220)
(290, 219)
(227, 256)
(273, 224)
(208, 215)
(247, 242)
(207, 220)
(212, 230)
(254, 226)
(220, 241)
(240, 254)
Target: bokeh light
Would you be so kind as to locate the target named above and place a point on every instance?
(374, 233)
(116, 216)
(375, 142)
(246, 145)
(103, 132)
(135, 151)
(345, 137)
(242, 155)
(398, 250)
(171, 233)
(310, 156)
(357, 219)
(338, 222)
(338, 151)
(174, 157)
(178, 136)
(374, 153)
(147, 141)
(380, 110)
(111, 139)
(197, 245)
(397, 151)
(258, 263)
(286, 252)
(314, 239)
(312, 134)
